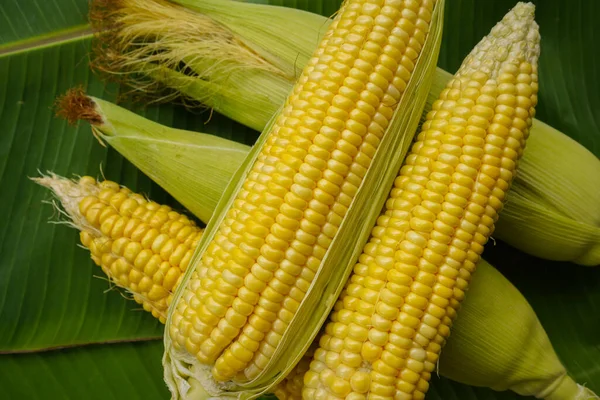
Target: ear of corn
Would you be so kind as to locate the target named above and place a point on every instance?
(497, 341)
(141, 246)
(546, 216)
(389, 325)
(551, 211)
(275, 257)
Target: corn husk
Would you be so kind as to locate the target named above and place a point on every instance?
(168, 156)
(497, 341)
(551, 211)
(288, 52)
(182, 369)
(166, 52)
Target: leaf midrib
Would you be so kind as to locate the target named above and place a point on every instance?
(77, 345)
(81, 32)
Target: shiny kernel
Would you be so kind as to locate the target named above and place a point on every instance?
(360, 382)
(171, 278)
(371, 352)
(351, 359)
(410, 376)
(156, 293)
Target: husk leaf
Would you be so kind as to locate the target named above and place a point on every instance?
(497, 341)
(251, 95)
(181, 368)
(288, 52)
(559, 176)
(160, 49)
(168, 156)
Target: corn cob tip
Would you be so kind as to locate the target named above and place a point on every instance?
(69, 193)
(75, 105)
(141, 246)
(512, 41)
(586, 393)
(522, 19)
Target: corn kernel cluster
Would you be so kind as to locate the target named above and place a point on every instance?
(142, 246)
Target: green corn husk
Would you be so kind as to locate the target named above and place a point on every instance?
(155, 45)
(495, 323)
(497, 341)
(287, 52)
(545, 216)
(185, 376)
(168, 156)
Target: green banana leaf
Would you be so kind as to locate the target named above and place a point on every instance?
(66, 333)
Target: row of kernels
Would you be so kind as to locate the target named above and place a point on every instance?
(469, 228)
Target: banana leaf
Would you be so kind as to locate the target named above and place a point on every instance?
(66, 333)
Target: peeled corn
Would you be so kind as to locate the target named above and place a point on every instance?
(237, 312)
(389, 325)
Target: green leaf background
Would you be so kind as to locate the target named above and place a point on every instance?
(66, 334)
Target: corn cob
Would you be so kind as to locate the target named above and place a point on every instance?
(389, 325)
(542, 217)
(238, 307)
(140, 245)
(497, 342)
